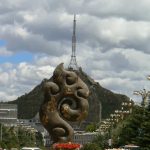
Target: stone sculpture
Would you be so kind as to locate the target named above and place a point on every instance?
(65, 99)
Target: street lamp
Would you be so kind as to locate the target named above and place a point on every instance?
(117, 116)
(121, 113)
(1, 138)
(148, 77)
(145, 97)
(128, 105)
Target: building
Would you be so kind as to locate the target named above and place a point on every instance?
(80, 137)
(8, 114)
(84, 137)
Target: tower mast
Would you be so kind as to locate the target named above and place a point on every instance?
(73, 63)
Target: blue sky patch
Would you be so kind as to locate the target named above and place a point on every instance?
(17, 58)
(2, 42)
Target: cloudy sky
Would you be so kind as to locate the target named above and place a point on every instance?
(113, 43)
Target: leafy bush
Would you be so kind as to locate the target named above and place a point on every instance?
(91, 146)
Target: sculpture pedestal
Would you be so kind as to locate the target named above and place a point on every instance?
(66, 146)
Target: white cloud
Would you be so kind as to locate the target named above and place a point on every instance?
(4, 78)
(21, 78)
(5, 52)
(6, 97)
(131, 10)
(112, 42)
(7, 65)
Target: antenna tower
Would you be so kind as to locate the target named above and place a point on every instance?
(73, 63)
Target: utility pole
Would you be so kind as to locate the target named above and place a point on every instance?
(1, 133)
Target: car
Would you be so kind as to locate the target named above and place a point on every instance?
(131, 147)
(30, 148)
(14, 148)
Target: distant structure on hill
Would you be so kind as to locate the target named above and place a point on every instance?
(73, 62)
(73, 66)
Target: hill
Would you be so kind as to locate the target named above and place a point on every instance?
(102, 101)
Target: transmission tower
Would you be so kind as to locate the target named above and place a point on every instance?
(73, 63)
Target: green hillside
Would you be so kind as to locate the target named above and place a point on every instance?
(100, 100)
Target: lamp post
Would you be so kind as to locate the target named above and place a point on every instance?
(120, 113)
(1, 133)
(1, 129)
(148, 77)
(128, 105)
(145, 97)
(109, 122)
(149, 97)
(117, 116)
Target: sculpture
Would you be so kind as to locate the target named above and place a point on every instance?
(65, 99)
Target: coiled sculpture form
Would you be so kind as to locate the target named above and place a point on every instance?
(65, 99)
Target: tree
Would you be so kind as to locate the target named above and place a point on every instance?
(91, 146)
(19, 137)
(101, 141)
(134, 129)
(90, 128)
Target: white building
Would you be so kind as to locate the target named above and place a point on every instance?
(80, 137)
(84, 137)
(8, 114)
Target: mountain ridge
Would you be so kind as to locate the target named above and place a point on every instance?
(101, 100)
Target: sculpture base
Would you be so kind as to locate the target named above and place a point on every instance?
(66, 146)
